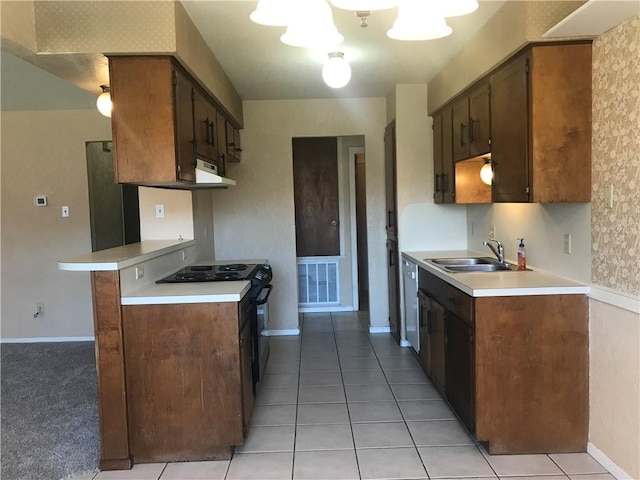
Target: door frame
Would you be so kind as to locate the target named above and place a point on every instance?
(353, 151)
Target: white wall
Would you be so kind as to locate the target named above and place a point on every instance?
(256, 218)
(423, 225)
(43, 153)
(543, 227)
(178, 214)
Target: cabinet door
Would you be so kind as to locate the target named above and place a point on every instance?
(438, 194)
(436, 345)
(204, 119)
(509, 132)
(183, 100)
(460, 374)
(221, 141)
(246, 367)
(424, 303)
(461, 129)
(233, 143)
(390, 179)
(479, 121)
(394, 281)
(447, 180)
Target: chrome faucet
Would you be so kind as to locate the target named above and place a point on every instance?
(498, 252)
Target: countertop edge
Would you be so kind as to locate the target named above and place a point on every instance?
(568, 287)
(166, 294)
(122, 257)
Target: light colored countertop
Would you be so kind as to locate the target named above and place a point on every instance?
(497, 284)
(121, 257)
(195, 292)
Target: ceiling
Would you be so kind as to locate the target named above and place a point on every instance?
(263, 68)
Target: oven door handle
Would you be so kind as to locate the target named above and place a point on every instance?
(269, 288)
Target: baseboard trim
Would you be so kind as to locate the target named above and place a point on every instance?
(379, 329)
(616, 298)
(281, 333)
(47, 339)
(607, 463)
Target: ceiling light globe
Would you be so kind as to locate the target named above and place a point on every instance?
(311, 26)
(336, 72)
(364, 5)
(273, 13)
(419, 20)
(104, 102)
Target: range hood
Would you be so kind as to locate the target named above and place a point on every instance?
(207, 175)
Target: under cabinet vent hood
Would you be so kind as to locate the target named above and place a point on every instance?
(207, 175)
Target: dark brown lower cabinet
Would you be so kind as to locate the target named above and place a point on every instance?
(460, 375)
(515, 368)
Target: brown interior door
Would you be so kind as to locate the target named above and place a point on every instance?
(315, 186)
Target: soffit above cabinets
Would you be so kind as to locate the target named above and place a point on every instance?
(594, 18)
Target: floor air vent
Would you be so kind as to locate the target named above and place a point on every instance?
(318, 281)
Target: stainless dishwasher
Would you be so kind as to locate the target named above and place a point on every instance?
(410, 287)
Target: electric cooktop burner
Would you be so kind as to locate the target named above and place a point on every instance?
(227, 275)
(232, 267)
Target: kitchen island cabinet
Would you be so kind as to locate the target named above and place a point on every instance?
(173, 360)
(516, 355)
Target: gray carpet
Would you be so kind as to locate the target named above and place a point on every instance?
(49, 410)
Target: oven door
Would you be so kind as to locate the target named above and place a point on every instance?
(259, 332)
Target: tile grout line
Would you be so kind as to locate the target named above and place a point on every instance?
(346, 401)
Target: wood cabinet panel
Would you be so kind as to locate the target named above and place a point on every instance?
(183, 381)
(112, 397)
(561, 123)
(246, 366)
(532, 373)
(437, 348)
(460, 368)
(460, 133)
(393, 275)
(479, 121)
(184, 132)
(510, 131)
(390, 180)
(144, 140)
(205, 119)
(444, 184)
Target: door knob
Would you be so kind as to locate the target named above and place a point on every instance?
(334, 223)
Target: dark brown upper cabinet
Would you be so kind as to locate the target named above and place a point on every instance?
(204, 127)
(234, 152)
(471, 127)
(444, 181)
(541, 125)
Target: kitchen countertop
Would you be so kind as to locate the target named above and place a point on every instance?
(194, 292)
(497, 284)
(118, 258)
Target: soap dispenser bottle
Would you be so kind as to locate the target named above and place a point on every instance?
(522, 255)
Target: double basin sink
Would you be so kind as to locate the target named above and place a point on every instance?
(471, 264)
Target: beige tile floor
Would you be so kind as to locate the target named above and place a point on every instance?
(337, 403)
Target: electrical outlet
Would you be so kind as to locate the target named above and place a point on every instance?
(567, 243)
(139, 273)
(184, 255)
(65, 211)
(160, 211)
(492, 232)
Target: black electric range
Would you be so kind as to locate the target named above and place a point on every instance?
(220, 273)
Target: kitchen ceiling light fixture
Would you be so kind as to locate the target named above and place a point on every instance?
(311, 25)
(486, 172)
(273, 13)
(364, 5)
(419, 20)
(336, 71)
(104, 101)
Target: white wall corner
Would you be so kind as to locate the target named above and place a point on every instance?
(607, 463)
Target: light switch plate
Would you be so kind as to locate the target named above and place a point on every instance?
(139, 272)
(159, 210)
(608, 195)
(567, 243)
(65, 211)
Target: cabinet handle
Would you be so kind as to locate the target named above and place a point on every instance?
(211, 133)
(437, 182)
(462, 134)
(471, 133)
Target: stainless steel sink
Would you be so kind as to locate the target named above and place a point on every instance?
(471, 264)
(496, 267)
(460, 261)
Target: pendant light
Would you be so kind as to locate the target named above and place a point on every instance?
(311, 25)
(104, 101)
(457, 8)
(336, 71)
(364, 5)
(273, 13)
(419, 20)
